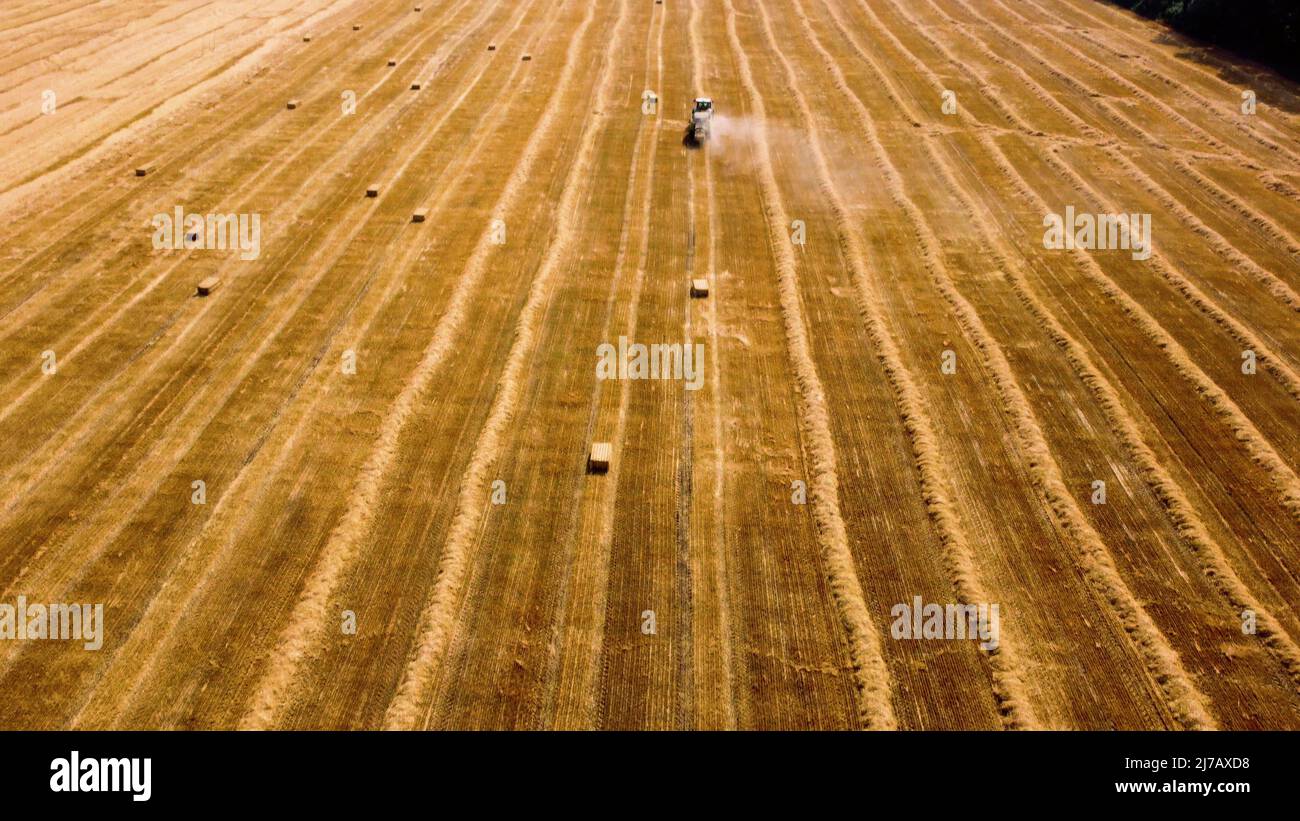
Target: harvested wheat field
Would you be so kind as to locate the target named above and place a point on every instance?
(378, 368)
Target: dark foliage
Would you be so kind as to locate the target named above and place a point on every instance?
(1264, 30)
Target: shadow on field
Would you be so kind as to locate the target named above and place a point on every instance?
(688, 138)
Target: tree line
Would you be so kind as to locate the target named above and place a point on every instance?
(1264, 30)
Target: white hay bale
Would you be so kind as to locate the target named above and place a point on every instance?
(208, 285)
(699, 288)
(599, 458)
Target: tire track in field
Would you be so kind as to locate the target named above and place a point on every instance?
(563, 685)
(413, 701)
(309, 614)
(720, 578)
(871, 675)
(304, 290)
(235, 492)
(1162, 662)
(685, 581)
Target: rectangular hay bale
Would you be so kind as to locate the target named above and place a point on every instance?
(420, 215)
(373, 190)
(208, 285)
(598, 460)
(145, 169)
(699, 287)
(292, 104)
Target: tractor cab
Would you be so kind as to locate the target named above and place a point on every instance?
(701, 119)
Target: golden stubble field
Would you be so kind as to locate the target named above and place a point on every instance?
(350, 486)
